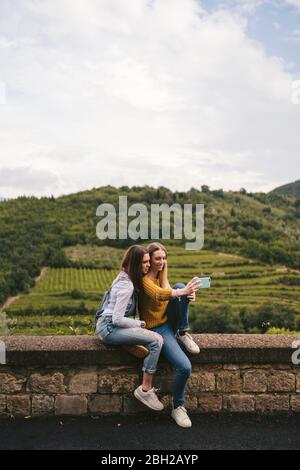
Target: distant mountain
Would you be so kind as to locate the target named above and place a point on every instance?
(291, 189)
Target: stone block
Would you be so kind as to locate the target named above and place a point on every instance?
(73, 405)
(18, 405)
(295, 403)
(209, 403)
(42, 405)
(119, 383)
(105, 404)
(255, 381)
(229, 382)
(46, 383)
(201, 382)
(268, 403)
(239, 403)
(281, 381)
(10, 383)
(2, 404)
(84, 382)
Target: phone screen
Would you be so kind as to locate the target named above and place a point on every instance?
(204, 282)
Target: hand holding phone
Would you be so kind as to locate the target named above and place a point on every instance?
(203, 282)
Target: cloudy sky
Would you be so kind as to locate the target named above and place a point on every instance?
(177, 93)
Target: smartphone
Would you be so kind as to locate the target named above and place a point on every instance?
(203, 282)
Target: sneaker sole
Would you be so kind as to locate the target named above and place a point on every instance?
(138, 397)
(191, 352)
(188, 350)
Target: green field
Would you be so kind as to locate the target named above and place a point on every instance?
(65, 299)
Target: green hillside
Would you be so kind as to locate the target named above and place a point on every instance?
(37, 232)
(244, 293)
(291, 189)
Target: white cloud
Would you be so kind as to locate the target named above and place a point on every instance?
(26, 179)
(241, 6)
(141, 92)
(295, 3)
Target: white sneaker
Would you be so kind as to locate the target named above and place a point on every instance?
(149, 398)
(181, 417)
(188, 343)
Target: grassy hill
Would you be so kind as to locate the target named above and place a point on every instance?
(291, 189)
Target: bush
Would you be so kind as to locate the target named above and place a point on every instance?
(289, 280)
(221, 319)
(224, 319)
(77, 294)
(279, 316)
(267, 210)
(282, 331)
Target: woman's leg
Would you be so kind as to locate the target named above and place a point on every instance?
(147, 381)
(178, 318)
(178, 312)
(151, 340)
(175, 355)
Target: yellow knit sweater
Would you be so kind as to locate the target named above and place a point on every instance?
(153, 301)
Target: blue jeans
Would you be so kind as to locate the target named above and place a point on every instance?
(112, 334)
(177, 314)
(178, 311)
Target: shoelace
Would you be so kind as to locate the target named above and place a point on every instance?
(185, 335)
(188, 336)
(153, 390)
(182, 408)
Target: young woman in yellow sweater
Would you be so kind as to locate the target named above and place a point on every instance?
(165, 311)
(115, 325)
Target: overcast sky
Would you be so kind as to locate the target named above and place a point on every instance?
(177, 93)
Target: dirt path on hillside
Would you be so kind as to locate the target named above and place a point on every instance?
(8, 302)
(285, 269)
(11, 300)
(42, 274)
(228, 255)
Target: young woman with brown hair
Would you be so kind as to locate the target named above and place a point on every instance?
(114, 325)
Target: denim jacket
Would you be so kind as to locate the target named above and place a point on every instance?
(120, 303)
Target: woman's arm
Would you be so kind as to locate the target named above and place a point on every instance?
(159, 294)
(124, 294)
(154, 291)
(163, 277)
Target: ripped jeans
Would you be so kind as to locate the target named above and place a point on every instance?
(114, 335)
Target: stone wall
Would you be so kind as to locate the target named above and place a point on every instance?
(77, 375)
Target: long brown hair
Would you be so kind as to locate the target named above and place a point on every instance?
(155, 246)
(132, 264)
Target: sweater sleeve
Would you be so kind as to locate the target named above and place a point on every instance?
(155, 292)
(124, 294)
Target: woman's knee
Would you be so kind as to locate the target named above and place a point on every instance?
(185, 369)
(159, 340)
(179, 285)
(156, 341)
